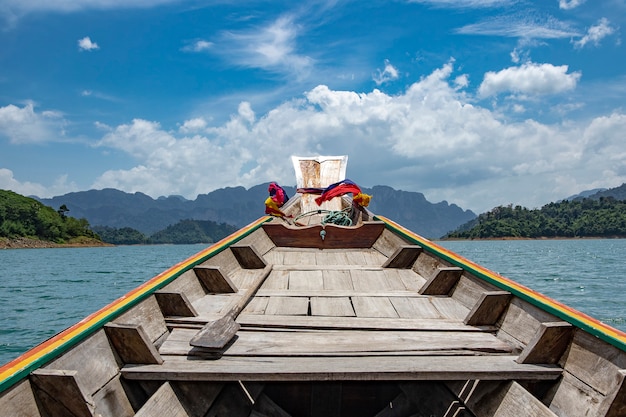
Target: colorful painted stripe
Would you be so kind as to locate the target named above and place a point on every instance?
(62, 342)
(597, 328)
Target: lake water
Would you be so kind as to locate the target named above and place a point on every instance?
(43, 291)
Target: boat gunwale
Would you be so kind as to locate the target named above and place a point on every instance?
(577, 318)
(38, 356)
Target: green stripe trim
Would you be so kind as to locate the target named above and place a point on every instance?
(88, 331)
(540, 300)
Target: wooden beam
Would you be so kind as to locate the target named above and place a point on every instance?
(164, 402)
(214, 279)
(404, 257)
(175, 303)
(59, 390)
(616, 400)
(248, 257)
(132, 344)
(488, 308)
(351, 368)
(441, 281)
(507, 400)
(336, 237)
(548, 344)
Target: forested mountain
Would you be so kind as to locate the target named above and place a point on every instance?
(602, 217)
(26, 217)
(238, 206)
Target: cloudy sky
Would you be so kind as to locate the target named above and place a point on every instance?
(476, 102)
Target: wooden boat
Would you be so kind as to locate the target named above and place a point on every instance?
(281, 319)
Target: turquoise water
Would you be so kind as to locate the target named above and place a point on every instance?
(43, 291)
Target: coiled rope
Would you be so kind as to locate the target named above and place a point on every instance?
(340, 217)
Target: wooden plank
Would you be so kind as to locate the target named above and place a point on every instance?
(385, 368)
(411, 280)
(298, 306)
(163, 403)
(388, 242)
(549, 343)
(488, 308)
(175, 304)
(60, 388)
(19, 401)
(404, 257)
(449, 308)
(362, 236)
(369, 280)
(148, 314)
(214, 279)
(248, 257)
(337, 343)
(373, 307)
(364, 323)
(615, 402)
(337, 280)
(415, 307)
(257, 305)
(112, 400)
(93, 370)
(306, 280)
(132, 344)
(512, 400)
(442, 281)
(217, 334)
(189, 284)
(332, 306)
(277, 280)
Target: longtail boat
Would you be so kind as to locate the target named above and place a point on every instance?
(322, 308)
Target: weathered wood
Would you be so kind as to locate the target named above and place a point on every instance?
(442, 281)
(215, 335)
(306, 280)
(363, 323)
(197, 397)
(362, 236)
(380, 368)
(149, 315)
(511, 400)
(298, 306)
(163, 403)
(549, 343)
(404, 257)
(132, 344)
(332, 307)
(214, 279)
(19, 401)
(93, 370)
(337, 343)
(60, 389)
(373, 307)
(434, 399)
(488, 308)
(175, 304)
(248, 257)
(112, 400)
(615, 403)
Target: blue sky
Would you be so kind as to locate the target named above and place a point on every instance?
(476, 102)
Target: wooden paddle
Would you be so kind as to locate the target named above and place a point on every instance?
(216, 334)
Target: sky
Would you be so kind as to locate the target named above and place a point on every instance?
(479, 103)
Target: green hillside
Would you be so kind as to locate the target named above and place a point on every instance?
(602, 217)
(24, 217)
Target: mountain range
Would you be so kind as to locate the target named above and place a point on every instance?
(239, 206)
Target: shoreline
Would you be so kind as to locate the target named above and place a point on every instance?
(28, 243)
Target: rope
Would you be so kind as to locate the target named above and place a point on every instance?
(340, 217)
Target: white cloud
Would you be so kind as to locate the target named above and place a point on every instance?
(24, 125)
(530, 79)
(389, 73)
(60, 185)
(198, 46)
(524, 26)
(570, 4)
(595, 34)
(431, 138)
(466, 4)
(85, 44)
(272, 48)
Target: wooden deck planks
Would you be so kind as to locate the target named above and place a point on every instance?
(332, 307)
(345, 342)
(387, 368)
